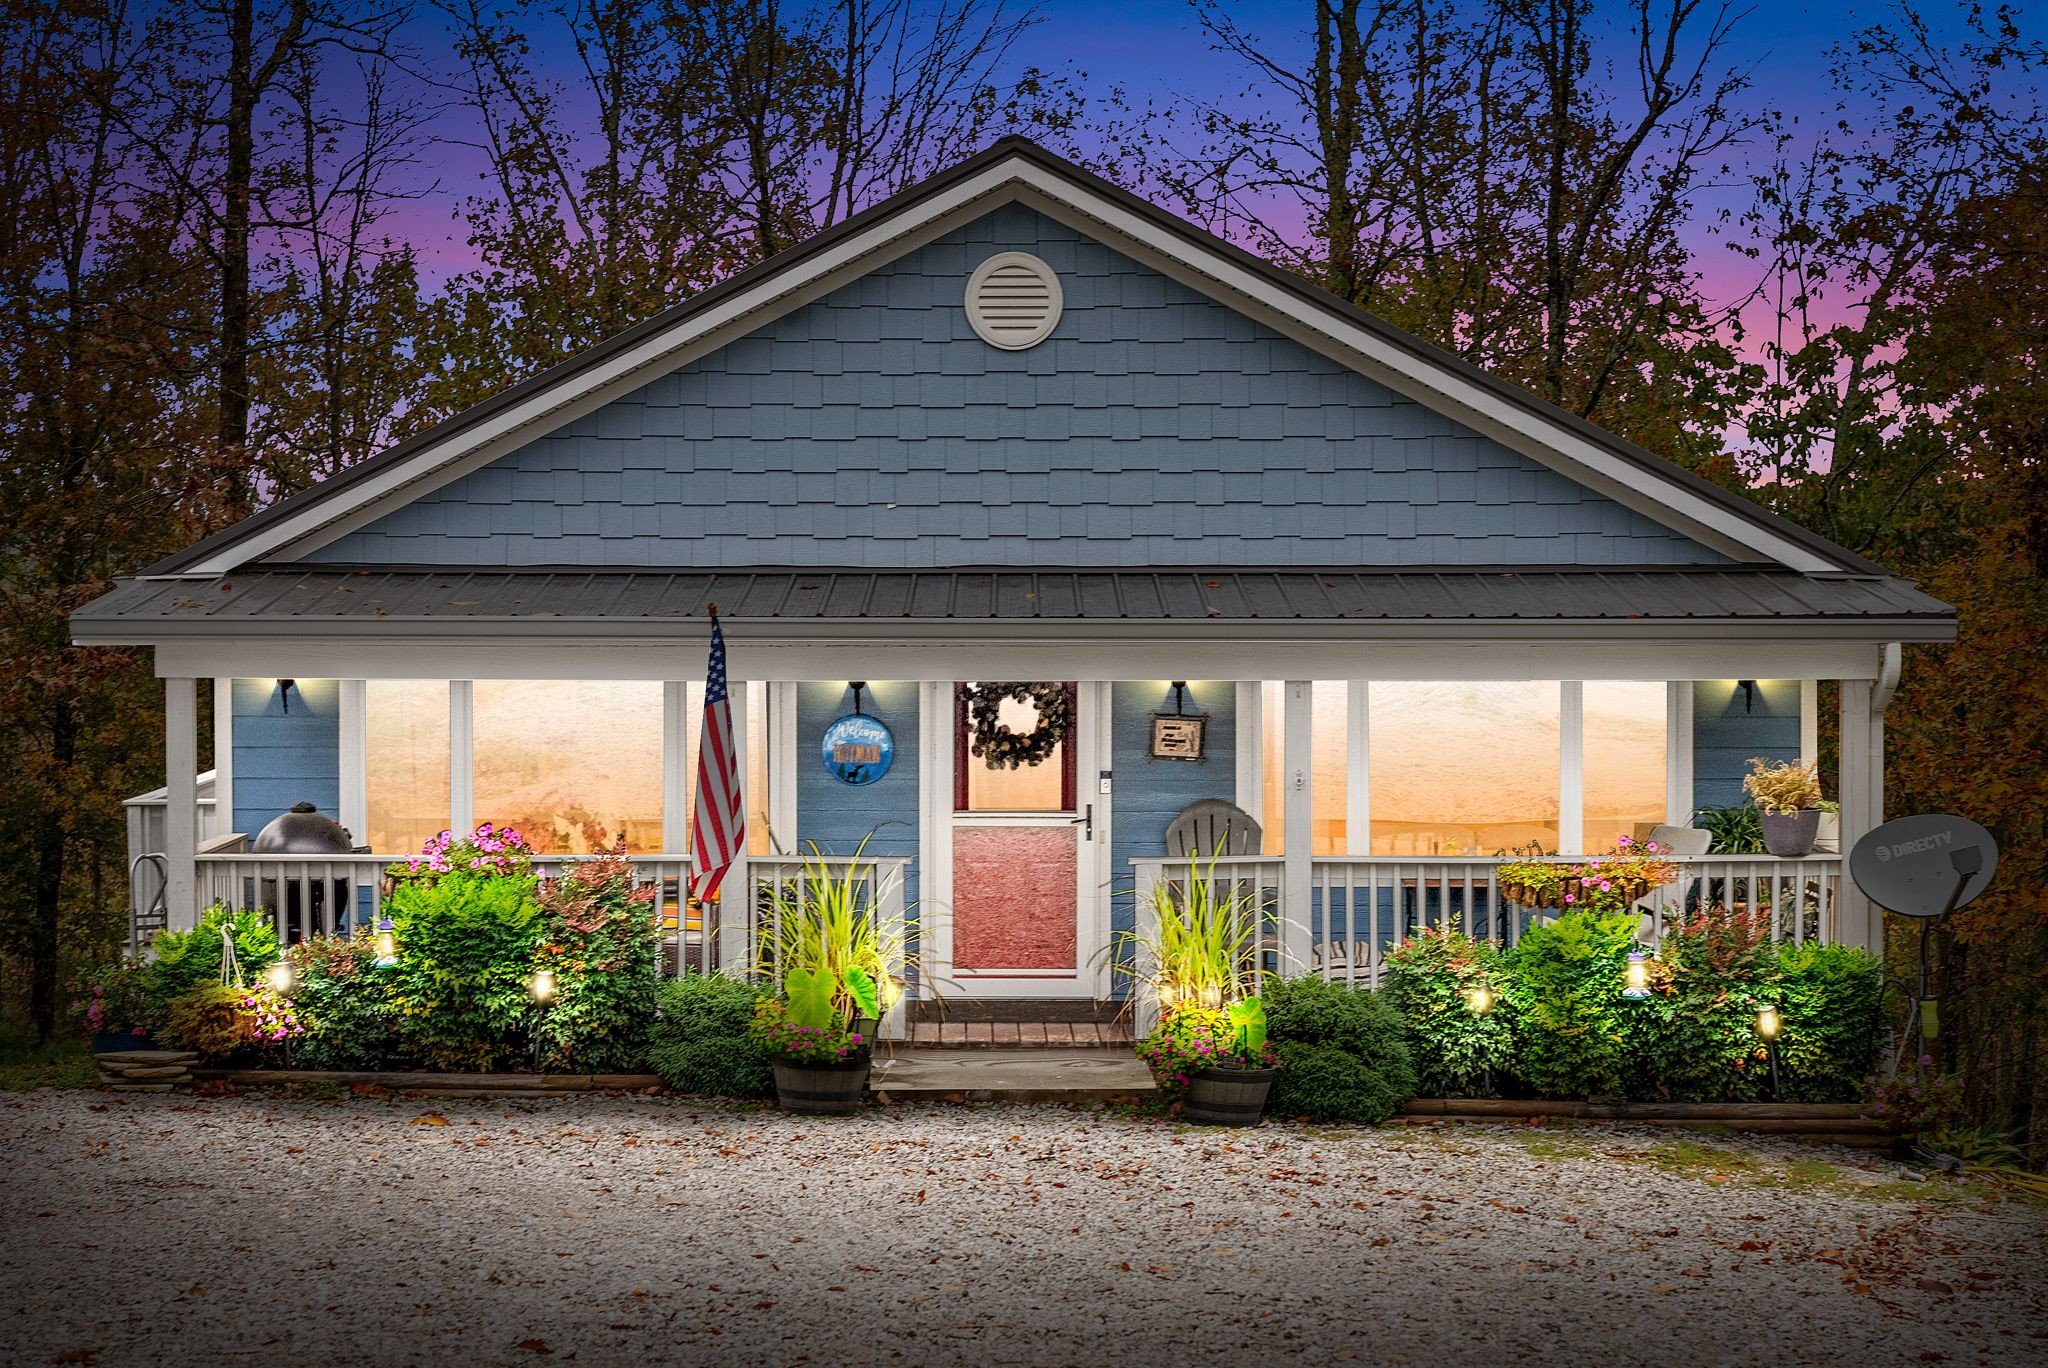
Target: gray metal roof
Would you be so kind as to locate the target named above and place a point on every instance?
(302, 599)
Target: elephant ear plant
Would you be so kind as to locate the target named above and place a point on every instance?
(839, 971)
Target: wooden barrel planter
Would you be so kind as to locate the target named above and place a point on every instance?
(1526, 895)
(1227, 1097)
(822, 1089)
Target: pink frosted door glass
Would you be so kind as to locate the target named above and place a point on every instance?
(1013, 897)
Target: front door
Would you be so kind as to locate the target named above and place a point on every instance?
(1024, 856)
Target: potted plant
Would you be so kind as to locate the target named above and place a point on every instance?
(1606, 883)
(117, 1012)
(1199, 960)
(1788, 795)
(1827, 838)
(837, 971)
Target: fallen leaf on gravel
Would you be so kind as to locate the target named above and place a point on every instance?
(1930, 1285)
(1672, 1288)
(430, 1119)
(538, 1346)
(84, 1356)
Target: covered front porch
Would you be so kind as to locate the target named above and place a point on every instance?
(1387, 778)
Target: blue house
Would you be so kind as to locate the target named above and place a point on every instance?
(1219, 535)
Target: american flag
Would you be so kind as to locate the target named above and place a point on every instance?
(718, 829)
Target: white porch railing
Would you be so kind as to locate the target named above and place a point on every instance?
(1357, 909)
(310, 895)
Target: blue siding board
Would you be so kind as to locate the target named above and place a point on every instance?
(284, 758)
(1726, 732)
(1143, 384)
(1150, 793)
(836, 816)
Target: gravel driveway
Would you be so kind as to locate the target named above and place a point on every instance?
(164, 1230)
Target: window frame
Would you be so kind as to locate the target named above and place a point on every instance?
(1571, 761)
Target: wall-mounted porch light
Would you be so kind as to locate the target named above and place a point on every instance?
(284, 693)
(1636, 981)
(1748, 687)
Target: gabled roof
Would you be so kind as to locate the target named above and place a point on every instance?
(1015, 169)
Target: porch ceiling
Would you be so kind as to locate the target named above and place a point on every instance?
(576, 602)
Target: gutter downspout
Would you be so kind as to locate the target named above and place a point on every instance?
(1887, 679)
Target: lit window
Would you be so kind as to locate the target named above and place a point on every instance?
(1465, 768)
(1329, 767)
(1625, 757)
(405, 733)
(572, 764)
(1028, 788)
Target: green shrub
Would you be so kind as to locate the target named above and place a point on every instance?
(699, 1041)
(1568, 1017)
(1832, 997)
(344, 1002)
(598, 938)
(1694, 1038)
(183, 960)
(1341, 1051)
(1430, 980)
(467, 925)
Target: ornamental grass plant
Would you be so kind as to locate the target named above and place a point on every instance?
(822, 942)
(1203, 941)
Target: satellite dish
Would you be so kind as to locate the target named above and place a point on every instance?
(1925, 866)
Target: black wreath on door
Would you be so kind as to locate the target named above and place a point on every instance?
(990, 740)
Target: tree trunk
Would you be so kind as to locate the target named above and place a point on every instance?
(47, 907)
(234, 268)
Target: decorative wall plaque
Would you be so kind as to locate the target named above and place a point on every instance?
(858, 749)
(1179, 735)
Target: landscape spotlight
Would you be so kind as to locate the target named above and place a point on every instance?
(1637, 982)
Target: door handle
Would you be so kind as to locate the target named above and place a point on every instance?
(1086, 820)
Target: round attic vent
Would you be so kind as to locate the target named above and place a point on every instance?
(1013, 300)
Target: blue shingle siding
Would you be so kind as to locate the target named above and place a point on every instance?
(872, 428)
(282, 758)
(1151, 793)
(1727, 730)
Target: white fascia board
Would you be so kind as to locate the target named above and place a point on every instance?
(1124, 657)
(1419, 378)
(547, 410)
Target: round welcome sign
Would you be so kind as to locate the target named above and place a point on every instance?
(858, 749)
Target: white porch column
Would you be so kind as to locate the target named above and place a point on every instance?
(1297, 745)
(1861, 785)
(736, 890)
(181, 805)
(935, 720)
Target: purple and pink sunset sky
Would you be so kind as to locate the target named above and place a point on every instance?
(1154, 50)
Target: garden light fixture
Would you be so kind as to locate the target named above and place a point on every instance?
(542, 986)
(1479, 1000)
(281, 977)
(387, 944)
(1768, 1024)
(1636, 983)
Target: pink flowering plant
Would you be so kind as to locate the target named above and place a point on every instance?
(1921, 1102)
(490, 849)
(1191, 1037)
(791, 1043)
(1599, 883)
(117, 999)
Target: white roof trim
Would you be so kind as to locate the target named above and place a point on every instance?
(1417, 376)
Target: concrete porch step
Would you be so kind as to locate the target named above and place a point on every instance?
(1022, 1035)
(1080, 1076)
